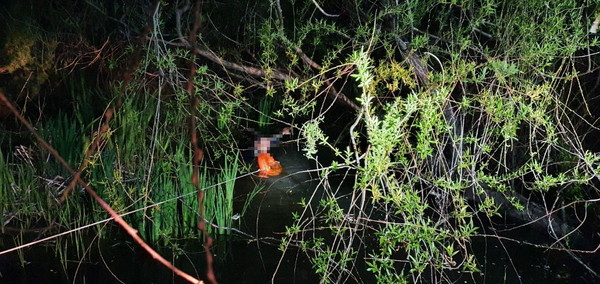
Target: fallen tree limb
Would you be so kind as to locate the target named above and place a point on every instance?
(533, 215)
(332, 92)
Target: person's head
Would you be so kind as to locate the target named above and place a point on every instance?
(262, 145)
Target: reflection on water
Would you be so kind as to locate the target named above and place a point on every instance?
(279, 196)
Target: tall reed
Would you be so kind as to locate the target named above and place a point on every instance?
(219, 196)
(265, 109)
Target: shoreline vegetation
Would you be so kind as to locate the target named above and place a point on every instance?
(424, 127)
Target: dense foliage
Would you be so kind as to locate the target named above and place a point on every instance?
(441, 117)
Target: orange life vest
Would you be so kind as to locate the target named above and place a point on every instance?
(268, 166)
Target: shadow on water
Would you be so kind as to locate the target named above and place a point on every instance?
(503, 259)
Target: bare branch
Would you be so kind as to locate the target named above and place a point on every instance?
(198, 153)
(323, 11)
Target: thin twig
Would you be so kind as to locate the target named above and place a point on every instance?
(97, 145)
(323, 11)
(332, 91)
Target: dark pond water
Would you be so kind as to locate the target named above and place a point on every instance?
(239, 259)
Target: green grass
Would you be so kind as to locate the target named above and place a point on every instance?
(126, 174)
(219, 193)
(265, 110)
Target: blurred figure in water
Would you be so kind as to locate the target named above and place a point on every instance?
(267, 165)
